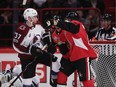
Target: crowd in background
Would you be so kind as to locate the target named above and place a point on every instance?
(90, 18)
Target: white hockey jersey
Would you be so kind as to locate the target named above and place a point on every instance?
(25, 36)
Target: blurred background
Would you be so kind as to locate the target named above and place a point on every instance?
(89, 12)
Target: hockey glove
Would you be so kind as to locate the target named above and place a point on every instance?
(54, 58)
(35, 50)
(63, 48)
(51, 49)
(46, 38)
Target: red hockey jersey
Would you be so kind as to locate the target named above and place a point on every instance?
(59, 38)
(78, 43)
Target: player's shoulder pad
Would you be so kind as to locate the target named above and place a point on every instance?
(22, 26)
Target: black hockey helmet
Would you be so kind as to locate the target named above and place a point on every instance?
(57, 17)
(72, 15)
(107, 16)
(47, 23)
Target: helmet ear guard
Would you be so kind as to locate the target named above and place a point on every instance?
(29, 12)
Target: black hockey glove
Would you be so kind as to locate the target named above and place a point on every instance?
(51, 49)
(54, 58)
(46, 38)
(35, 50)
(63, 48)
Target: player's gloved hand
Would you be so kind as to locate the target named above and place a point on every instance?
(46, 38)
(54, 58)
(35, 50)
(51, 49)
(51, 56)
(63, 48)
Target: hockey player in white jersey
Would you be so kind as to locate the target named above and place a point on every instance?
(28, 43)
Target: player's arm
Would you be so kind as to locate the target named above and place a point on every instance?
(51, 46)
(20, 44)
(68, 26)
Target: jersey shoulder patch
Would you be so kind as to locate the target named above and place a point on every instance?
(22, 27)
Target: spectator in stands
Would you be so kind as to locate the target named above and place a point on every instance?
(6, 18)
(39, 2)
(109, 3)
(2, 3)
(54, 4)
(91, 22)
(91, 3)
(6, 3)
(73, 3)
(107, 31)
(48, 4)
(99, 4)
(28, 4)
(81, 16)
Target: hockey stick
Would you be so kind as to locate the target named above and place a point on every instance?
(51, 82)
(25, 68)
(21, 73)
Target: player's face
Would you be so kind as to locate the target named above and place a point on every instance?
(35, 20)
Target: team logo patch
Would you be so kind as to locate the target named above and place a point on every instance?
(55, 38)
(22, 27)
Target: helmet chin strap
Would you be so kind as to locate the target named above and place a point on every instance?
(31, 22)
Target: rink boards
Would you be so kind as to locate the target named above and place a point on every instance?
(9, 58)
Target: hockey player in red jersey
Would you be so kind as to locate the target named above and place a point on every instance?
(28, 42)
(80, 52)
(59, 40)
